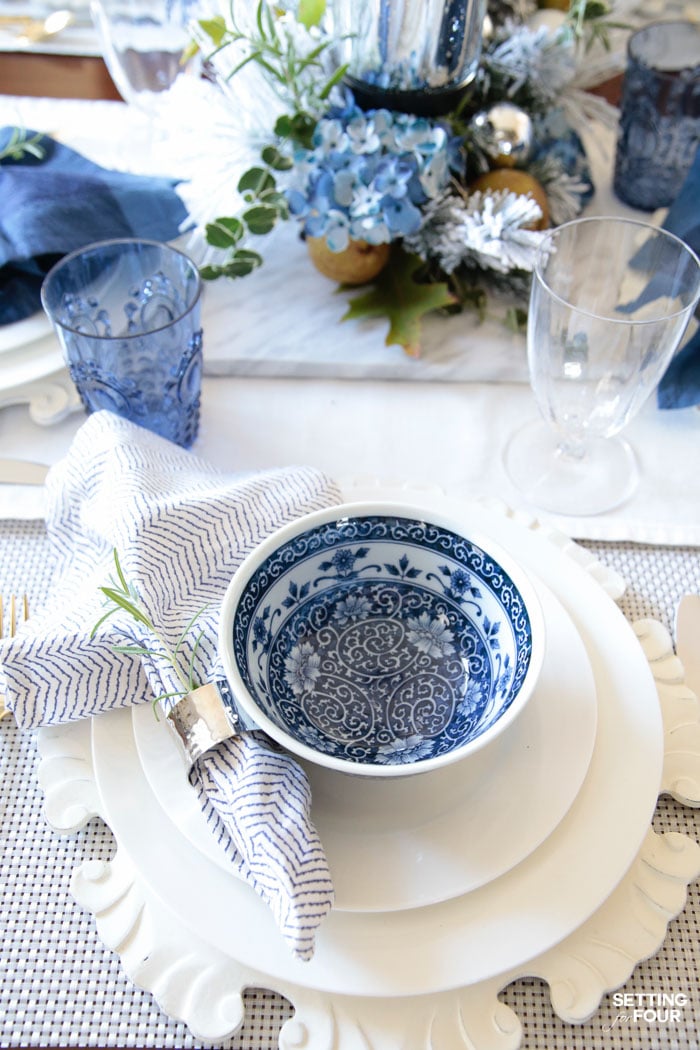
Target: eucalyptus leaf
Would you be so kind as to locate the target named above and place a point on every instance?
(272, 156)
(301, 129)
(212, 272)
(240, 265)
(224, 232)
(256, 180)
(277, 200)
(283, 126)
(247, 256)
(261, 219)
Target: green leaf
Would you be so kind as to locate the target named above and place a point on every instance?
(259, 18)
(189, 52)
(125, 603)
(516, 319)
(401, 299)
(311, 57)
(298, 128)
(310, 12)
(120, 574)
(190, 625)
(211, 273)
(335, 79)
(101, 620)
(193, 659)
(272, 156)
(241, 264)
(245, 255)
(215, 28)
(261, 219)
(256, 180)
(276, 200)
(136, 650)
(302, 129)
(224, 232)
(253, 56)
(283, 126)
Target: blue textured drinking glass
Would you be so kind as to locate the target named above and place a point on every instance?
(127, 313)
(659, 131)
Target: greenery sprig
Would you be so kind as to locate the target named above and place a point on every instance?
(120, 595)
(20, 143)
(301, 80)
(266, 207)
(590, 22)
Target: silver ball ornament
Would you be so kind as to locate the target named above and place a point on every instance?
(504, 133)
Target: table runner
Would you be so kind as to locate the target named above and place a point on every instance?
(61, 987)
(288, 316)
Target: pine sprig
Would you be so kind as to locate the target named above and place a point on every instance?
(122, 596)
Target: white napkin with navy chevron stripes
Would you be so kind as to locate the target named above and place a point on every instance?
(180, 528)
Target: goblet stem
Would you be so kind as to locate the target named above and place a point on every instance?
(571, 448)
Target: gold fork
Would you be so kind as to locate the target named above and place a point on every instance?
(24, 614)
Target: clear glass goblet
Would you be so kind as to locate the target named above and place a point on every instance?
(610, 301)
(145, 46)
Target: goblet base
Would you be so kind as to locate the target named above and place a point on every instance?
(600, 480)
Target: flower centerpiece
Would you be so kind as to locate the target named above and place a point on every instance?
(435, 210)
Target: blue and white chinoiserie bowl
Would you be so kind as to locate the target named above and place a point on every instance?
(372, 640)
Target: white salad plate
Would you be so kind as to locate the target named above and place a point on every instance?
(495, 929)
(505, 800)
(29, 351)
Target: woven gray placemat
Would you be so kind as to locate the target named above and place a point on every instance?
(60, 987)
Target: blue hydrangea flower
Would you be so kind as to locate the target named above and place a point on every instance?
(368, 175)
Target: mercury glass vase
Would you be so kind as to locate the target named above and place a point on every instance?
(415, 56)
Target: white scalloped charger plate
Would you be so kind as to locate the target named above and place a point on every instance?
(423, 840)
(21, 333)
(496, 928)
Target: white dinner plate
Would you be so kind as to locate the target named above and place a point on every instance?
(491, 931)
(427, 839)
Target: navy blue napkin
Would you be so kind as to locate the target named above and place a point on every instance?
(50, 206)
(680, 385)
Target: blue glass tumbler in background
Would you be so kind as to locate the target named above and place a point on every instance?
(659, 131)
(127, 313)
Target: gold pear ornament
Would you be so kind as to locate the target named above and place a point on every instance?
(359, 263)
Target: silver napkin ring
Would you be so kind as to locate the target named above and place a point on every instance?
(205, 717)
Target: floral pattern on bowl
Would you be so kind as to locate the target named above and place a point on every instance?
(382, 639)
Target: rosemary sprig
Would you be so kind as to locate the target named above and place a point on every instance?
(590, 22)
(300, 79)
(121, 595)
(20, 143)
